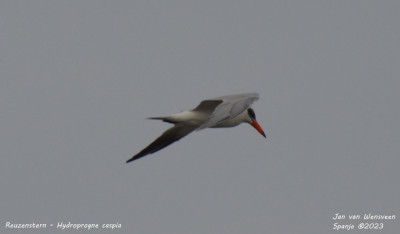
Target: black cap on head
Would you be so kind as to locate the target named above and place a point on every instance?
(251, 113)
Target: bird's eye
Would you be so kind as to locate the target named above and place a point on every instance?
(251, 113)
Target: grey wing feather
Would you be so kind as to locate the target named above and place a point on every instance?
(207, 106)
(235, 97)
(230, 107)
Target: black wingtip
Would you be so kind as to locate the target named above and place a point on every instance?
(137, 156)
(130, 160)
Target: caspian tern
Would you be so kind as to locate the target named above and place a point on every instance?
(226, 111)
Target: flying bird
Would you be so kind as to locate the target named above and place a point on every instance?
(226, 111)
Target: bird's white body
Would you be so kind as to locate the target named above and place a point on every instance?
(188, 117)
(232, 122)
(196, 119)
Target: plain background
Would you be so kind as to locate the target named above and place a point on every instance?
(79, 78)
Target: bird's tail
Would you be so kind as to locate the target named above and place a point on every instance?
(167, 119)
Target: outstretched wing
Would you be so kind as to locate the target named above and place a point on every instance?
(229, 107)
(168, 137)
(207, 106)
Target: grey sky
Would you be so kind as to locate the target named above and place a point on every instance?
(79, 79)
